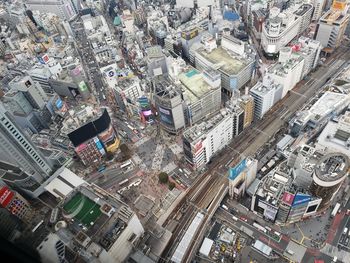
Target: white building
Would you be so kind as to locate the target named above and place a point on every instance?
(281, 27)
(318, 8)
(63, 8)
(203, 140)
(288, 71)
(309, 50)
(335, 137)
(265, 95)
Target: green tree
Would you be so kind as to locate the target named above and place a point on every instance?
(163, 177)
(171, 185)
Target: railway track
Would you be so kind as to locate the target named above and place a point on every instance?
(200, 195)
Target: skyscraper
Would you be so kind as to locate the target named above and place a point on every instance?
(17, 149)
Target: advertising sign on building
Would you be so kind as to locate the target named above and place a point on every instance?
(59, 103)
(235, 171)
(82, 86)
(288, 198)
(99, 146)
(5, 196)
(300, 199)
(270, 212)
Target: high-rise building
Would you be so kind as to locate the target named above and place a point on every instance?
(203, 140)
(33, 92)
(331, 26)
(318, 8)
(16, 148)
(247, 104)
(265, 96)
(63, 8)
(168, 101)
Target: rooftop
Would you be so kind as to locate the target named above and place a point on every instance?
(261, 90)
(224, 60)
(324, 106)
(195, 87)
(282, 68)
(332, 167)
(199, 130)
(336, 136)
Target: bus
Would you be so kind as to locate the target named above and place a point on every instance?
(123, 182)
(259, 227)
(126, 164)
(335, 210)
(37, 226)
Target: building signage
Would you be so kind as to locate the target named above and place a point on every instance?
(59, 103)
(270, 212)
(99, 146)
(301, 199)
(164, 111)
(5, 196)
(234, 172)
(288, 198)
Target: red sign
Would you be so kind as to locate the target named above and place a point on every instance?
(5, 196)
(288, 198)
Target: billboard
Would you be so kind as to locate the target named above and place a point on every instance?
(270, 212)
(288, 198)
(301, 199)
(5, 196)
(99, 146)
(166, 116)
(235, 171)
(59, 103)
(44, 59)
(82, 86)
(147, 113)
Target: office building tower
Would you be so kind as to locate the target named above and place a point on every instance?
(318, 8)
(168, 101)
(331, 26)
(265, 96)
(33, 92)
(247, 104)
(17, 149)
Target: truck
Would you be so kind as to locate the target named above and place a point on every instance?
(335, 210)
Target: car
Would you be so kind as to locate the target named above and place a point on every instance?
(243, 218)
